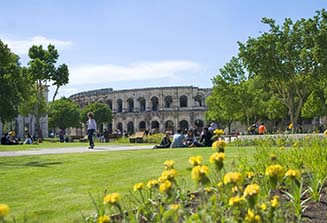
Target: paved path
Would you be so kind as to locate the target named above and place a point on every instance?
(99, 148)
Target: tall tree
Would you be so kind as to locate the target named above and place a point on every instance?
(64, 113)
(14, 84)
(230, 99)
(290, 58)
(42, 69)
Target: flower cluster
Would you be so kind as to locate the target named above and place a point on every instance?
(233, 178)
(195, 160)
(111, 198)
(4, 210)
(138, 186)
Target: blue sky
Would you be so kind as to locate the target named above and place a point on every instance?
(141, 43)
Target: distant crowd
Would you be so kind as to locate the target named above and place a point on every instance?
(10, 138)
(187, 139)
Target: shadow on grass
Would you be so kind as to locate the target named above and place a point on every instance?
(32, 164)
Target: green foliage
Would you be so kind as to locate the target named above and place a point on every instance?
(14, 84)
(230, 86)
(102, 112)
(63, 113)
(289, 58)
(42, 69)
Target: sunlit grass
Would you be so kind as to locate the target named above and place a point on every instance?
(54, 188)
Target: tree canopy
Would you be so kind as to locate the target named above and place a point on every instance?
(14, 83)
(63, 113)
(102, 112)
(283, 69)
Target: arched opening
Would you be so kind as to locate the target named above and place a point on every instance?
(183, 101)
(183, 125)
(120, 127)
(109, 103)
(130, 105)
(168, 101)
(169, 126)
(142, 126)
(119, 105)
(155, 127)
(155, 103)
(130, 128)
(142, 104)
(198, 101)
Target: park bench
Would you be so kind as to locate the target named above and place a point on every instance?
(136, 137)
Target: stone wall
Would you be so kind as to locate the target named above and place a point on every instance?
(163, 108)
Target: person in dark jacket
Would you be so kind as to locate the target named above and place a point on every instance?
(165, 142)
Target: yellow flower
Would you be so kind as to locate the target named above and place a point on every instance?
(235, 189)
(233, 201)
(217, 157)
(175, 207)
(168, 175)
(218, 132)
(219, 144)
(249, 175)
(282, 148)
(220, 184)
(251, 190)
(263, 206)
(111, 198)
(325, 133)
(103, 219)
(293, 174)
(165, 186)
(195, 160)
(274, 170)
(169, 164)
(152, 183)
(198, 172)
(138, 186)
(251, 217)
(4, 210)
(232, 177)
(274, 202)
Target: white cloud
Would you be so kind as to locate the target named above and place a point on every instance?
(108, 73)
(21, 47)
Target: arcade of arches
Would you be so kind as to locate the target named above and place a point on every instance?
(159, 109)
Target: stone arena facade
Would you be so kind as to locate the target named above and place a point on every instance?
(157, 109)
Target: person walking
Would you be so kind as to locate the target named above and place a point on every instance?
(91, 127)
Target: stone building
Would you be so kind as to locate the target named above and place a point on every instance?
(157, 109)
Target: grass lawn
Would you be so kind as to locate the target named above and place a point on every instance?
(54, 188)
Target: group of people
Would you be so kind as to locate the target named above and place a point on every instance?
(257, 128)
(11, 139)
(180, 140)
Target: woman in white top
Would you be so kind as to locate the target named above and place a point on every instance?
(91, 127)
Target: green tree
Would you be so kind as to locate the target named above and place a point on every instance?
(63, 113)
(231, 99)
(60, 78)
(14, 84)
(42, 69)
(290, 58)
(102, 112)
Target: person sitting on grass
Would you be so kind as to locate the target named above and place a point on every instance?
(178, 140)
(28, 139)
(190, 140)
(165, 142)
